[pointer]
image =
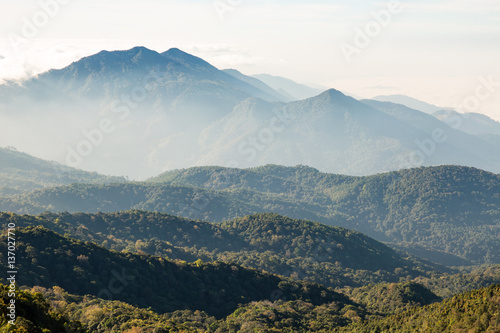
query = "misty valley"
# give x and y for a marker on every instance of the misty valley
(153, 192)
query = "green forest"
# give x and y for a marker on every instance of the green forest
(268, 249)
(230, 166)
(331, 256)
(140, 271)
(448, 214)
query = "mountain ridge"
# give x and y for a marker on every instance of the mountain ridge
(438, 202)
(21, 172)
(409, 102)
(174, 110)
(298, 249)
(130, 273)
(336, 133)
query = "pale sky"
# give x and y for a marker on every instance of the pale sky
(435, 51)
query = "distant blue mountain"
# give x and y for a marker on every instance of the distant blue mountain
(410, 102)
(339, 134)
(106, 74)
(172, 110)
(472, 123)
(293, 90)
(285, 97)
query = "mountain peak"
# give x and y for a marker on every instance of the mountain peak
(115, 60)
(141, 53)
(141, 48)
(186, 59)
(175, 50)
(124, 53)
(332, 93)
(334, 96)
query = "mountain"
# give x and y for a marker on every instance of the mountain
(418, 208)
(99, 111)
(405, 207)
(386, 299)
(476, 124)
(105, 316)
(257, 84)
(447, 285)
(90, 314)
(302, 317)
(336, 133)
(75, 285)
(461, 144)
(332, 256)
(477, 310)
(426, 211)
(420, 120)
(139, 112)
(104, 291)
(20, 172)
(409, 102)
(150, 282)
(289, 88)
(472, 123)
(171, 76)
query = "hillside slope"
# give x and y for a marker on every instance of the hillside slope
(20, 172)
(334, 257)
(138, 112)
(338, 134)
(448, 214)
(475, 311)
(424, 207)
(33, 314)
(84, 268)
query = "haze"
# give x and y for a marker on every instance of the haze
(432, 50)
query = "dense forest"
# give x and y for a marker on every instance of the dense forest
(140, 271)
(55, 310)
(148, 281)
(34, 314)
(475, 311)
(307, 211)
(128, 264)
(302, 250)
(448, 214)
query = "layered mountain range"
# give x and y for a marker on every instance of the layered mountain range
(325, 213)
(139, 112)
(75, 283)
(448, 214)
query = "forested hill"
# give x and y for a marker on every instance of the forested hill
(421, 209)
(20, 172)
(55, 310)
(475, 311)
(449, 214)
(77, 285)
(48, 259)
(332, 256)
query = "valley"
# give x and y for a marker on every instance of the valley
(147, 191)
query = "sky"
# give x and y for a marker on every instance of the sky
(441, 52)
